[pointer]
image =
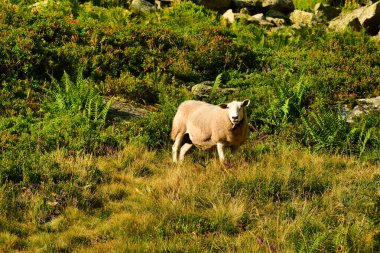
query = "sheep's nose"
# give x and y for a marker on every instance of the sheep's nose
(235, 117)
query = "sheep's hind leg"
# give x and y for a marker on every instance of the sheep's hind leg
(186, 147)
(177, 143)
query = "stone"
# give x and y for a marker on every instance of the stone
(275, 14)
(141, 6)
(365, 105)
(370, 18)
(302, 18)
(229, 16)
(203, 89)
(285, 6)
(217, 5)
(325, 12)
(346, 20)
(279, 22)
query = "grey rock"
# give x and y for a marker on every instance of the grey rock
(325, 12)
(285, 6)
(229, 16)
(217, 5)
(346, 20)
(141, 6)
(302, 18)
(279, 22)
(275, 14)
(370, 18)
(364, 106)
(203, 90)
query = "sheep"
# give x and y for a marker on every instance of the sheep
(204, 125)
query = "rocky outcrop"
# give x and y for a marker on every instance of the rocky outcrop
(284, 6)
(302, 18)
(367, 17)
(141, 6)
(363, 106)
(325, 12)
(217, 5)
(203, 90)
(370, 18)
(347, 20)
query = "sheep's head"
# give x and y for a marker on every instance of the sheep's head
(236, 110)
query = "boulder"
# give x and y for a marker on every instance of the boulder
(229, 16)
(365, 105)
(141, 6)
(217, 5)
(260, 20)
(247, 4)
(203, 90)
(275, 14)
(325, 12)
(285, 6)
(370, 18)
(279, 22)
(302, 18)
(346, 20)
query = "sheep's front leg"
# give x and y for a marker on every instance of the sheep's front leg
(219, 147)
(177, 143)
(186, 147)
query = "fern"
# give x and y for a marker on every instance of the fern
(81, 96)
(218, 81)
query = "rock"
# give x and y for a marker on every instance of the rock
(217, 5)
(260, 20)
(370, 18)
(203, 90)
(346, 20)
(325, 12)
(141, 6)
(279, 22)
(285, 6)
(275, 14)
(229, 16)
(244, 11)
(124, 110)
(302, 18)
(247, 4)
(364, 106)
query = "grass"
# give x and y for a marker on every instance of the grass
(75, 179)
(287, 199)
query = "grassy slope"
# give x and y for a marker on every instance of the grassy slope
(275, 198)
(69, 183)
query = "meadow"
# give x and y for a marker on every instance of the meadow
(76, 178)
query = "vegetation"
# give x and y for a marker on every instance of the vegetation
(75, 178)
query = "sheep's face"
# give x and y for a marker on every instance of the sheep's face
(236, 110)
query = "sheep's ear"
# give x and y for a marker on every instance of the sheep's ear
(224, 106)
(246, 102)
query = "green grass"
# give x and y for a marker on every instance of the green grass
(287, 199)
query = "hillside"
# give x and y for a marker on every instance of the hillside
(79, 173)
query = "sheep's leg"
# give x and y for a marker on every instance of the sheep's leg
(186, 147)
(177, 143)
(234, 150)
(219, 147)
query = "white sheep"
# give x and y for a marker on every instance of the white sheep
(205, 125)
